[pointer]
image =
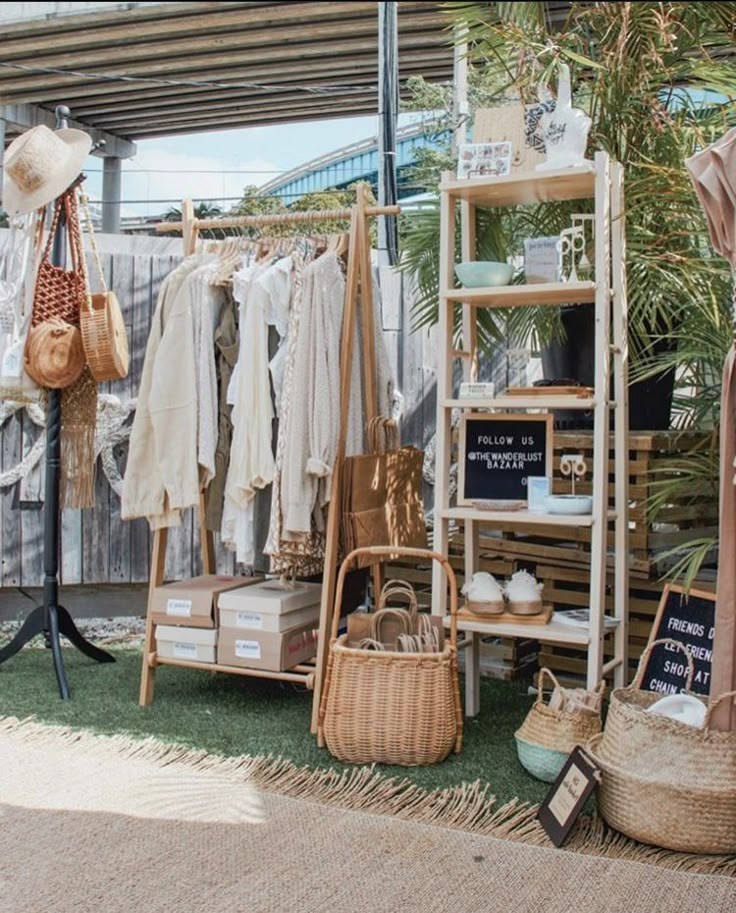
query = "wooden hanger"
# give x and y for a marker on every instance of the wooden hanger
(343, 244)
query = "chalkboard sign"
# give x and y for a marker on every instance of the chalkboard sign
(499, 452)
(567, 795)
(692, 622)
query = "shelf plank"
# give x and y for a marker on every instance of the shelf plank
(516, 516)
(553, 632)
(534, 294)
(522, 402)
(527, 187)
(290, 676)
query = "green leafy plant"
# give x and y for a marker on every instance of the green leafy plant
(659, 82)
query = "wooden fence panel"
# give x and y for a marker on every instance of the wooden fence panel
(97, 546)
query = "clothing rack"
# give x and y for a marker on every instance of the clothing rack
(358, 279)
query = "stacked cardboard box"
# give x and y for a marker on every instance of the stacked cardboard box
(185, 615)
(268, 625)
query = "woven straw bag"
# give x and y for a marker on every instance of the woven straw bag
(391, 707)
(664, 782)
(103, 328)
(546, 737)
(54, 345)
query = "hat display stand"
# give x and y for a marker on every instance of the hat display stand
(50, 618)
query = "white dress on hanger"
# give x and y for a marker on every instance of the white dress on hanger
(263, 294)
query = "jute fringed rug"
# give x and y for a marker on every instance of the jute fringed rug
(89, 823)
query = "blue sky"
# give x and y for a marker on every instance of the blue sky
(214, 166)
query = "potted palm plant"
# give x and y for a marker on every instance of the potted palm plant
(653, 77)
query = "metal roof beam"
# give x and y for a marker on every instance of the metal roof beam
(23, 117)
(300, 55)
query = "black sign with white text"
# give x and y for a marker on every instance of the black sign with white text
(499, 452)
(692, 622)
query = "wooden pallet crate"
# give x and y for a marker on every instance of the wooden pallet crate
(690, 514)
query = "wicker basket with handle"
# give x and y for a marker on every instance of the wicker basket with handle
(664, 782)
(546, 737)
(104, 335)
(391, 707)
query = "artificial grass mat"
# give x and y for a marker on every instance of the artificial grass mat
(232, 715)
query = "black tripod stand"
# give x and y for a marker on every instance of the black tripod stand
(50, 618)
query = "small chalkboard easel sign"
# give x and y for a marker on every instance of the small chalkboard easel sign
(498, 453)
(691, 620)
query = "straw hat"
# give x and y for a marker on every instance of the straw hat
(39, 166)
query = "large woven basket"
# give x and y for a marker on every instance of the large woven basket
(546, 737)
(664, 782)
(390, 707)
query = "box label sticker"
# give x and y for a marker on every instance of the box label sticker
(249, 620)
(180, 607)
(185, 651)
(248, 649)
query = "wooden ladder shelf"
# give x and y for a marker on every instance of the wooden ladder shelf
(602, 180)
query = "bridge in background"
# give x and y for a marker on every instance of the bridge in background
(356, 162)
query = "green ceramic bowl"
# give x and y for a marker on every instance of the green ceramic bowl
(483, 273)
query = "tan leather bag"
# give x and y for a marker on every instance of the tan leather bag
(382, 494)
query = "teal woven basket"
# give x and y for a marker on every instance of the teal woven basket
(546, 737)
(542, 763)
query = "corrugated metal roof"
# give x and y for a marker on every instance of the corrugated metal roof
(121, 70)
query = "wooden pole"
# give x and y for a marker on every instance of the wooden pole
(327, 605)
(161, 536)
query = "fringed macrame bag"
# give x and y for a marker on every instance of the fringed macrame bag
(54, 346)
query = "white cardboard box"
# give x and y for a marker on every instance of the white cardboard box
(195, 644)
(247, 620)
(270, 597)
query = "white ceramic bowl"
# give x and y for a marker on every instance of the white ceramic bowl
(681, 707)
(569, 504)
(483, 273)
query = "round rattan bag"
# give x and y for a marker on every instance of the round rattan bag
(104, 335)
(664, 782)
(54, 355)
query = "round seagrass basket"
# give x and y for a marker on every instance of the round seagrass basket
(391, 707)
(546, 737)
(663, 782)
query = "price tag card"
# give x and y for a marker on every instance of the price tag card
(567, 796)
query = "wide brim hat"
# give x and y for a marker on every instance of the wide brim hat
(39, 166)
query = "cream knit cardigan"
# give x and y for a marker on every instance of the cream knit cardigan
(162, 474)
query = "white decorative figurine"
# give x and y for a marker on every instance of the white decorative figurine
(564, 130)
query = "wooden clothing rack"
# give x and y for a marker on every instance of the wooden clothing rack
(358, 285)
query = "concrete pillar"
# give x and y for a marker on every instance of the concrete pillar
(460, 90)
(388, 107)
(2, 156)
(111, 189)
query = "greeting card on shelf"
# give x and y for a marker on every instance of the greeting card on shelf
(476, 160)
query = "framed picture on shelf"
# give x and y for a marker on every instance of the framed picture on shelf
(498, 453)
(542, 260)
(476, 160)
